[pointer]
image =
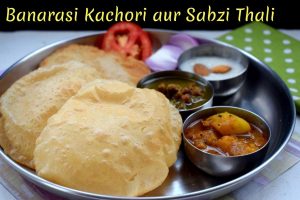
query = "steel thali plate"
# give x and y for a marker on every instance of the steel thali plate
(263, 93)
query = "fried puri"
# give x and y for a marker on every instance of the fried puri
(110, 138)
(26, 106)
(111, 65)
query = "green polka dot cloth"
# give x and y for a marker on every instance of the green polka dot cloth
(278, 50)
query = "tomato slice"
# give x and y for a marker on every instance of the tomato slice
(128, 39)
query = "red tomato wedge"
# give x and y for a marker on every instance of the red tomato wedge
(128, 39)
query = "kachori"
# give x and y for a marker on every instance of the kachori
(110, 64)
(110, 138)
(30, 101)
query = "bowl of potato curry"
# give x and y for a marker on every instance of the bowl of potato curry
(225, 140)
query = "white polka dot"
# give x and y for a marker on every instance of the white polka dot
(292, 81)
(288, 60)
(290, 70)
(248, 30)
(286, 41)
(267, 50)
(267, 41)
(296, 98)
(248, 48)
(268, 59)
(229, 37)
(247, 39)
(267, 32)
(287, 51)
(293, 90)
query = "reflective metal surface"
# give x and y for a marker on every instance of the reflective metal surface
(263, 93)
(218, 165)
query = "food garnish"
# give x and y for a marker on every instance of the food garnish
(201, 69)
(183, 41)
(221, 69)
(128, 39)
(166, 57)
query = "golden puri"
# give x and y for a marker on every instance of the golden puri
(110, 138)
(26, 106)
(111, 65)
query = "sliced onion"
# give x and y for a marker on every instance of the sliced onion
(183, 41)
(165, 58)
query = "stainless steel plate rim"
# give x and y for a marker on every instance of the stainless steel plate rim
(229, 185)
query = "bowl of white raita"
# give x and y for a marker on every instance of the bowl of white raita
(224, 67)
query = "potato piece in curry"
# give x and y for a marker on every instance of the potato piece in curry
(228, 124)
(226, 134)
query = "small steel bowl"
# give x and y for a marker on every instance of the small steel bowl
(224, 85)
(158, 76)
(219, 165)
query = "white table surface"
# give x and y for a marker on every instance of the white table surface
(15, 45)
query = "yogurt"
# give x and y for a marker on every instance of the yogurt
(212, 61)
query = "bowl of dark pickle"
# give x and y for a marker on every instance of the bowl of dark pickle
(188, 92)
